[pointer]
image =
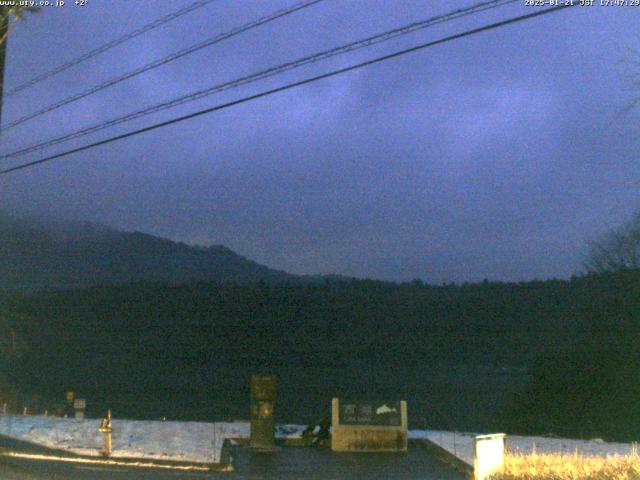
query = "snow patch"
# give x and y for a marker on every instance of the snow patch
(461, 444)
(198, 442)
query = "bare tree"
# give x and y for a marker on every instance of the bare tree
(17, 12)
(616, 250)
(633, 75)
(619, 249)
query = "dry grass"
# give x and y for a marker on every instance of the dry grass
(569, 467)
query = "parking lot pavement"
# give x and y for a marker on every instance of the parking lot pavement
(287, 463)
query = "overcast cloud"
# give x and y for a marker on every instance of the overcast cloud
(496, 156)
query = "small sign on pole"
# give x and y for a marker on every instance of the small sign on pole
(79, 405)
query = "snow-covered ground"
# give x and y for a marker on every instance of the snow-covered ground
(182, 441)
(201, 442)
(461, 444)
(198, 442)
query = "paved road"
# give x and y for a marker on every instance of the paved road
(288, 463)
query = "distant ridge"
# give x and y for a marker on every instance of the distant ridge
(36, 254)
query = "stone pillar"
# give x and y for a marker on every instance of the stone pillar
(263, 399)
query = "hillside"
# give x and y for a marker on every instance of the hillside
(456, 353)
(37, 253)
(535, 357)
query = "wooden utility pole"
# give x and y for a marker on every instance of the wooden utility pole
(4, 37)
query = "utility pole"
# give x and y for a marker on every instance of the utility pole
(4, 37)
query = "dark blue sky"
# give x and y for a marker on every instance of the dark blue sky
(497, 156)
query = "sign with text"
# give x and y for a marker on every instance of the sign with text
(370, 413)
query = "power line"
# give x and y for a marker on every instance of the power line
(289, 86)
(108, 46)
(170, 58)
(352, 46)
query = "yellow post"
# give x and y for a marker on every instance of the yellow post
(105, 427)
(107, 447)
